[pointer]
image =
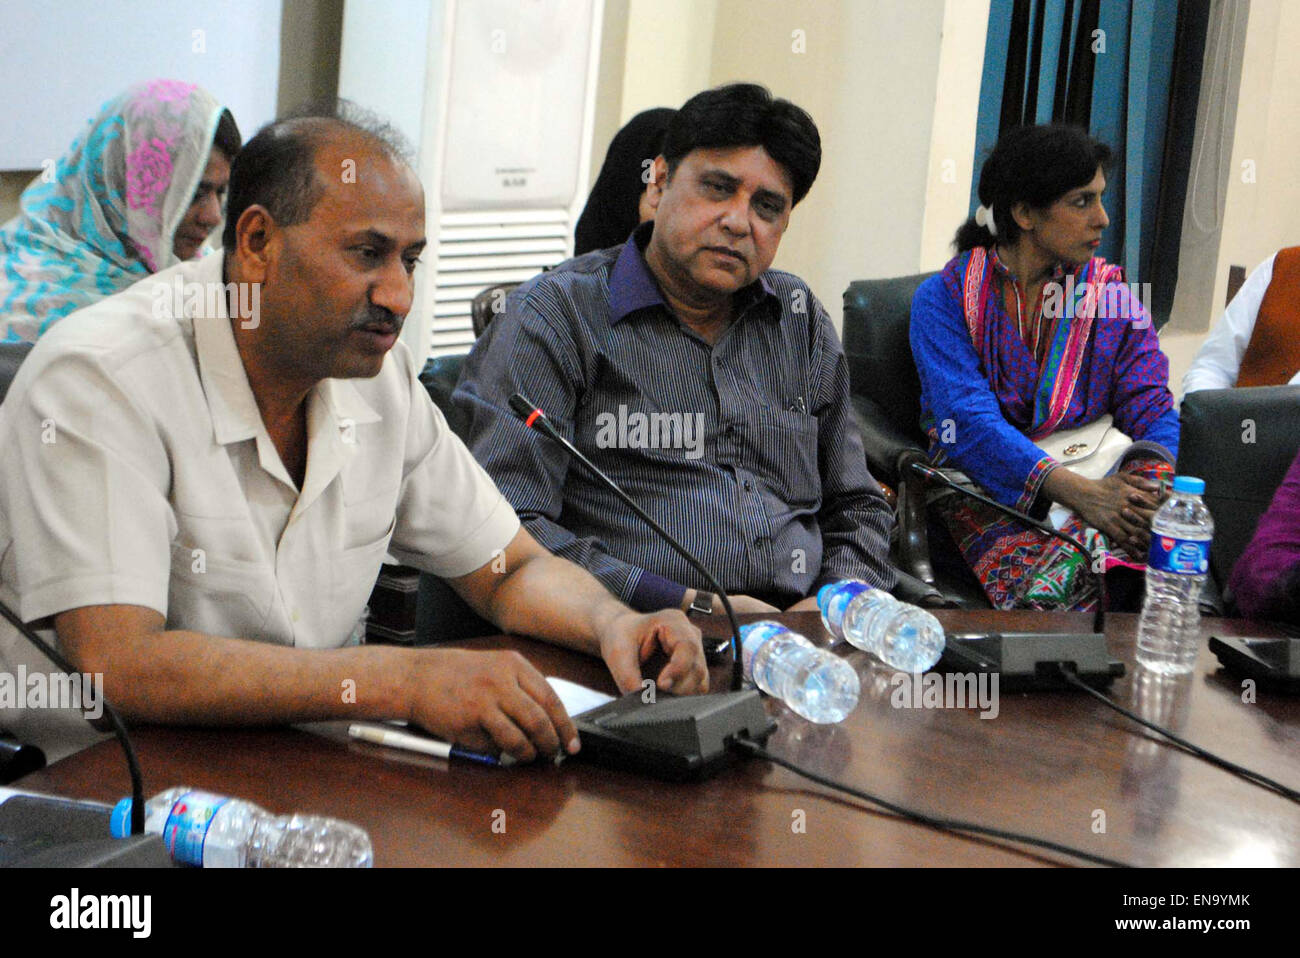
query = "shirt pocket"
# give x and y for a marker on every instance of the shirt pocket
(353, 573)
(785, 457)
(218, 595)
(368, 520)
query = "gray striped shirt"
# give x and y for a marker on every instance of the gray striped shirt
(746, 450)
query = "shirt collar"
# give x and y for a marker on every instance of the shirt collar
(235, 416)
(632, 286)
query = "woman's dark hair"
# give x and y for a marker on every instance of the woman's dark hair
(746, 114)
(227, 138)
(1035, 165)
(613, 208)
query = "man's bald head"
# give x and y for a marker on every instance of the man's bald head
(277, 168)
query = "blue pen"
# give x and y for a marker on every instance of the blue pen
(394, 738)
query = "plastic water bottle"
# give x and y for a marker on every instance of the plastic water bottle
(815, 683)
(1169, 629)
(212, 831)
(902, 636)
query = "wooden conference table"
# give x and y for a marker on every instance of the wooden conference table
(1058, 766)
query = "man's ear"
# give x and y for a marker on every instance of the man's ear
(255, 236)
(654, 190)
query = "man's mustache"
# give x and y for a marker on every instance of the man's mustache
(377, 317)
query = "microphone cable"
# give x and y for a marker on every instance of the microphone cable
(1255, 778)
(119, 728)
(955, 826)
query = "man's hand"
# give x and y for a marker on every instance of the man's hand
(631, 638)
(485, 700)
(808, 604)
(551, 598)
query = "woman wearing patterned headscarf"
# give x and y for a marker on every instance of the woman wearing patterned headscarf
(140, 190)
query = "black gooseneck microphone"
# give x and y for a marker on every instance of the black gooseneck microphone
(1029, 661)
(119, 729)
(534, 418)
(1075, 682)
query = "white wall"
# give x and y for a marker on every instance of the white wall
(851, 64)
(892, 85)
(70, 57)
(1262, 209)
(952, 140)
(667, 54)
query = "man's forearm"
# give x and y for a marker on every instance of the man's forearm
(650, 592)
(182, 677)
(554, 599)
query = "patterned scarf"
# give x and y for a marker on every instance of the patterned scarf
(1059, 373)
(109, 213)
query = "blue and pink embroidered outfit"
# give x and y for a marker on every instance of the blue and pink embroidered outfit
(997, 374)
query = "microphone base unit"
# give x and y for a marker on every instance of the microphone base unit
(41, 831)
(1032, 661)
(1272, 661)
(676, 738)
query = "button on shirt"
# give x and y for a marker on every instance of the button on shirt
(744, 450)
(138, 471)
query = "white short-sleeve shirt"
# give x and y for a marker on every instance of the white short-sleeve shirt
(1218, 362)
(137, 470)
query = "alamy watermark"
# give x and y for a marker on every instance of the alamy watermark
(1116, 301)
(955, 690)
(656, 430)
(183, 298)
(53, 690)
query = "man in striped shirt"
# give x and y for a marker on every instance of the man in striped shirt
(713, 389)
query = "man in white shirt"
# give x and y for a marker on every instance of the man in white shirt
(1220, 360)
(203, 474)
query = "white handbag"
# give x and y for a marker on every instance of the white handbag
(1090, 450)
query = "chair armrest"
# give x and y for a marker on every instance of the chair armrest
(883, 440)
(1212, 601)
(912, 590)
(913, 535)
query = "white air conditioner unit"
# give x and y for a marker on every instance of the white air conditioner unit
(498, 98)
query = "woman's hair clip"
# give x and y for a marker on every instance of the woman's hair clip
(984, 218)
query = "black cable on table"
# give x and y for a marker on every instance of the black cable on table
(750, 747)
(1255, 778)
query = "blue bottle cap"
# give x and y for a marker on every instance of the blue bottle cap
(119, 822)
(1189, 484)
(824, 594)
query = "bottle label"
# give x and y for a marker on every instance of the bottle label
(1179, 556)
(752, 638)
(838, 599)
(188, 823)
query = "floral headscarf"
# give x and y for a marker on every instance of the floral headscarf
(110, 213)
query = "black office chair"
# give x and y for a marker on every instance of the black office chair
(11, 357)
(1241, 442)
(886, 396)
(488, 304)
